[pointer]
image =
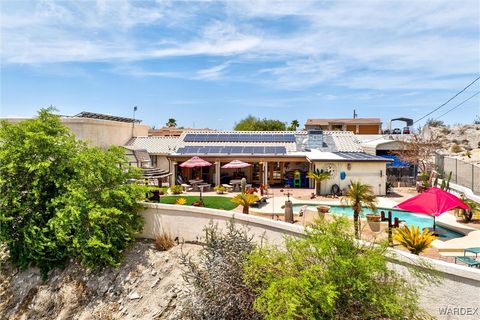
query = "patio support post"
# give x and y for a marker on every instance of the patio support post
(217, 173)
(173, 170)
(265, 173)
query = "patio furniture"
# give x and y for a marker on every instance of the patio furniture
(259, 203)
(468, 261)
(228, 187)
(203, 186)
(475, 250)
(236, 184)
(186, 187)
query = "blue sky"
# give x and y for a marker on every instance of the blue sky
(211, 63)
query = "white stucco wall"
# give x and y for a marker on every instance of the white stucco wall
(459, 287)
(371, 173)
(104, 133)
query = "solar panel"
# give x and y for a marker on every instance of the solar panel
(280, 150)
(247, 150)
(253, 137)
(237, 150)
(259, 150)
(269, 150)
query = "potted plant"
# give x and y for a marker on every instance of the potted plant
(220, 189)
(373, 220)
(322, 209)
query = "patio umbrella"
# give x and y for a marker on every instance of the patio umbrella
(236, 164)
(433, 202)
(195, 162)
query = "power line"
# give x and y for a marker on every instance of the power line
(458, 105)
(443, 104)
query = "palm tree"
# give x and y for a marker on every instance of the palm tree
(415, 241)
(358, 196)
(293, 125)
(245, 200)
(171, 123)
(319, 176)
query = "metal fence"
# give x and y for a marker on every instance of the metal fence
(463, 173)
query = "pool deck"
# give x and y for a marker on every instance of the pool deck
(452, 247)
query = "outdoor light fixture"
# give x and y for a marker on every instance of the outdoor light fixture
(349, 166)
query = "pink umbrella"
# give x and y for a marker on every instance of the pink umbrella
(236, 164)
(195, 162)
(433, 202)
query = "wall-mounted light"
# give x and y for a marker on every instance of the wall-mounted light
(381, 173)
(349, 166)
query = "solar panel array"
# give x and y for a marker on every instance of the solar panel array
(221, 137)
(359, 156)
(231, 150)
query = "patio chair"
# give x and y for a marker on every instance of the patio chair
(468, 261)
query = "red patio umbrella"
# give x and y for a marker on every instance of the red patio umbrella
(195, 162)
(236, 164)
(433, 202)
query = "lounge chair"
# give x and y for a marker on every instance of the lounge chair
(468, 261)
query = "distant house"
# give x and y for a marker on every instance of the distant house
(172, 131)
(280, 158)
(355, 125)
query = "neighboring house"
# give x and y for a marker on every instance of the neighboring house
(172, 131)
(277, 158)
(101, 130)
(355, 125)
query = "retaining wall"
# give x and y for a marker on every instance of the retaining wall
(458, 293)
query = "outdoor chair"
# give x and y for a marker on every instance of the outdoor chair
(468, 261)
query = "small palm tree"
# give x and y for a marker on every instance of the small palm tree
(171, 123)
(319, 176)
(245, 200)
(358, 196)
(413, 240)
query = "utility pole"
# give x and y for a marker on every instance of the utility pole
(133, 124)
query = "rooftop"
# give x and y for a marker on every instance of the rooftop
(100, 116)
(326, 121)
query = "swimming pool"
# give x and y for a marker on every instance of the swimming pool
(410, 218)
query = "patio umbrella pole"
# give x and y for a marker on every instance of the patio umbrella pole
(434, 224)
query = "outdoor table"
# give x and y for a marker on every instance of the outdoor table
(195, 183)
(475, 250)
(203, 186)
(236, 184)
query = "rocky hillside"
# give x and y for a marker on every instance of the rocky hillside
(148, 285)
(462, 141)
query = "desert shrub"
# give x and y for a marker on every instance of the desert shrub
(62, 199)
(463, 130)
(435, 123)
(455, 141)
(455, 148)
(465, 141)
(164, 241)
(329, 275)
(176, 189)
(217, 276)
(445, 130)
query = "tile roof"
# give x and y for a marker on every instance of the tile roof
(342, 141)
(155, 145)
(327, 121)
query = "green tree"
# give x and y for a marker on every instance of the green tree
(171, 123)
(358, 196)
(252, 123)
(329, 275)
(293, 125)
(62, 199)
(319, 176)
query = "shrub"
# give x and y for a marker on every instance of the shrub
(61, 199)
(445, 131)
(435, 123)
(455, 148)
(329, 275)
(181, 201)
(216, 276)
(176, 189)
(220, 189)
(413, 240)
(164, 241)
(245, 200)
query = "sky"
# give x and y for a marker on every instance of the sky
(211, 63)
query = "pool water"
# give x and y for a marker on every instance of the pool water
(410, 218)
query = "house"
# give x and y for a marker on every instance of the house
(172, 131)
(355, 125)
(278, 158)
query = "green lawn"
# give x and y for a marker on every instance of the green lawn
(214, 202)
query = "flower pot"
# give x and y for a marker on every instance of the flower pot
(322, 210)
(373, 221)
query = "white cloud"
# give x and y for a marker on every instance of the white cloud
(291, 44)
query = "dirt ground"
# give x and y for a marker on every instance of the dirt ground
(148, 285)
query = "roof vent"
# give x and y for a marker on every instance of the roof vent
(315, 139)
